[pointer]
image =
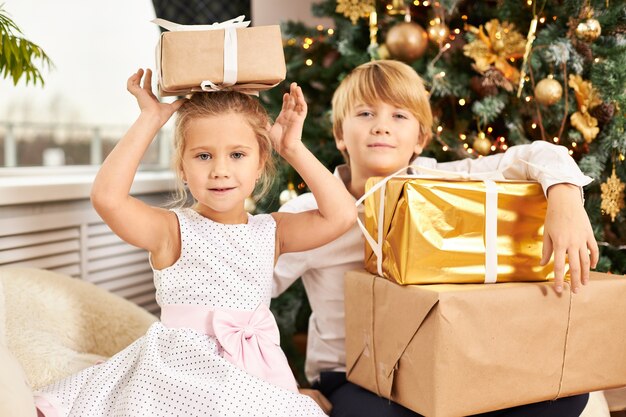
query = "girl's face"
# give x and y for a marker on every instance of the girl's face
(221, 164)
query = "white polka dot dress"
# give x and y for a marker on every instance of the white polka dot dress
(179, 372)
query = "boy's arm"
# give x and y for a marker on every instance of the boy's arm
(539, 161)
(289, 267)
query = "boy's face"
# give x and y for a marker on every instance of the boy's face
(379, 138)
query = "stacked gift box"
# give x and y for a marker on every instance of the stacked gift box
(476, 325)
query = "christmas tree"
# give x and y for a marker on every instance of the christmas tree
(500, 73)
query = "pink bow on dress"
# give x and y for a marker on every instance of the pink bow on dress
(251, 341)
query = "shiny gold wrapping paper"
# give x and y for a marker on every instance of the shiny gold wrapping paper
(434, 231)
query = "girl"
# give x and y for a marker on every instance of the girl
(215, 351)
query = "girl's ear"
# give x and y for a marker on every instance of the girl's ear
(262, 161)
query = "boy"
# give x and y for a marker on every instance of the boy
(382, 122)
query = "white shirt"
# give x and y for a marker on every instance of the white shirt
(322, 269)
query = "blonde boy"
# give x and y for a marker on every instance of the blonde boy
(382, 122)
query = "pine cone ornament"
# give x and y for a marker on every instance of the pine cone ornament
(494, 77)
(478, 85)
(603, 112)
(584, 49)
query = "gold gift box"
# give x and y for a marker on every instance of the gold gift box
(187, 58)
(451, 350)
(433, 231)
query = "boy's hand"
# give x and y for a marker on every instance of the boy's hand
(319, 398)
(287, 129)
(568, 232)
(148, 102)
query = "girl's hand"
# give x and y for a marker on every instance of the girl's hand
(568, 232)
(148, 103)
(286, 133)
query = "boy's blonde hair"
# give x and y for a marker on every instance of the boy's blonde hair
(392, 82)
(218, 103)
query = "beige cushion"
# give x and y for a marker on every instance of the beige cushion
(57, 325)
(15, 395)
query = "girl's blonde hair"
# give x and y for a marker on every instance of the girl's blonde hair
(392, 82)
(219, 103)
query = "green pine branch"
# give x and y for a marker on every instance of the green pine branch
(18, 55)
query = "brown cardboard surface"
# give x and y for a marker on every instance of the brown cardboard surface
(458, 349)
(187, 58)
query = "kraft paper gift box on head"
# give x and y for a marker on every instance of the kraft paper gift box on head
(446, 230)
(449, 350)
(222, 56)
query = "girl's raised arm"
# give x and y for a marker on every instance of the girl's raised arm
(336, 210)
(134, 221)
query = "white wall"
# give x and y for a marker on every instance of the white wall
(95, 46)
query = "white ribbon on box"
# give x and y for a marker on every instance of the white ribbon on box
(230, 47)
(491, 209)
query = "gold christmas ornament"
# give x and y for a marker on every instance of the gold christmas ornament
(355, 9)
(438, 33)
(495, 45)
(612, 195)
(481, 144)
(587, 98)
(288, 194)
(249, 205)
(383, 52)
(588, 30)
(406, 41)
(548, 91)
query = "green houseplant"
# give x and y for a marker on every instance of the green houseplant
(19, 56)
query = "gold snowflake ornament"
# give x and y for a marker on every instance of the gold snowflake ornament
(612, 195)
(355, 9)
(496, 44)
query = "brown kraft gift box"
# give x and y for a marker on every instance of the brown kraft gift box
(449, 350)
(187, 58)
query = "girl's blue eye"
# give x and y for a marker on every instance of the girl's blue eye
(204, 156)
(237, 155)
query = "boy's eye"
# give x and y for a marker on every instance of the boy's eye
(401, 116)
(365, 113)
(237, 155)
(204, 156)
